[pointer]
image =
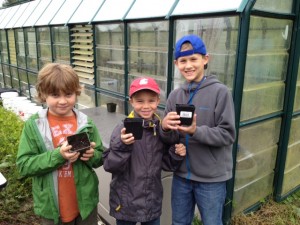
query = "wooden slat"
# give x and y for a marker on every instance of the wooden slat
(81, 34)
(81, 29)
(81, 52)
(86, 81)
(84, 58)
(85, 75)
(83, 46)
(77, 40)
(84, 64)
(83, 69)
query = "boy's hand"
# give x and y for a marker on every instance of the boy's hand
(190, 129)
(65, 152)
(88, 153)
(171, 121)
(127, 139)
(180, 149)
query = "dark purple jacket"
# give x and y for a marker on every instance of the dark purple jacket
(136, 190)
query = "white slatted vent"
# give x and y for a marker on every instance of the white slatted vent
(82, 53)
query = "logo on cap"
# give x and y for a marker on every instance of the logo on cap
(143, 81)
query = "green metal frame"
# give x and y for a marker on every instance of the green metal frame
(237, 96)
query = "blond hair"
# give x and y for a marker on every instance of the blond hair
(55, 78)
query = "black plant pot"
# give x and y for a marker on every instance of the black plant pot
(111, 107)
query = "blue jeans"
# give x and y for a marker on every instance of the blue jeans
(209, 197)
(152, 222)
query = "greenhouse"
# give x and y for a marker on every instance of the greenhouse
(254, 48)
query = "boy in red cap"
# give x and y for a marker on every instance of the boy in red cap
(136, 189)
(201, 178)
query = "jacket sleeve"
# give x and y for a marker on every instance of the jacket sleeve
(97, 160)
(116, 157)
(223, 132)
(33, 159)
(171, 161)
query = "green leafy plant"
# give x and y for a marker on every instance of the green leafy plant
(15, 199)
(196, 220)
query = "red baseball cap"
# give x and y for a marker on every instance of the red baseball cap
(143, 83)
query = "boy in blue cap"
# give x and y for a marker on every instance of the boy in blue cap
(201, 178)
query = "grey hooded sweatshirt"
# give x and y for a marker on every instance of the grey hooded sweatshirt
(209, 149)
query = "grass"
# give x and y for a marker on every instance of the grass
(286, 212)
(16, 200)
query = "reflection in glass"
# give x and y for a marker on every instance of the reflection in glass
(86, 98)
(220, 37)
(278, 6)
(292, 166)
(103, 99)
(110, 57)
(255, 163)
(297, 94)
(266, 66)
(148, 48)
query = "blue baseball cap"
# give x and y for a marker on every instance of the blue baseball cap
(195, 41)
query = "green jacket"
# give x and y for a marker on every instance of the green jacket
(37, 158)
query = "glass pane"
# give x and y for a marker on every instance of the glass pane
(7, 77)
(297, 95)
(110, 57)
(12, 47)
(150, 9)
(23, 76)
(31, 47)
(15, 78)
(44, 46)
(31, 6)
(104, 99)
(8, 80)
(3, 47)
(3, 14)
(255, 163)
(266, 66)
(274, 5)
(24, 89)
(220, 37)
(189, 7)
(49, 12)
(61, 45)
(35, 15)
(86, 11)
(16, 16)
(32, 80)
(20, 45)
(105, 13)
(9, 16)
(292, 166)
(148, 52)
(86, 98)
(65, 12)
